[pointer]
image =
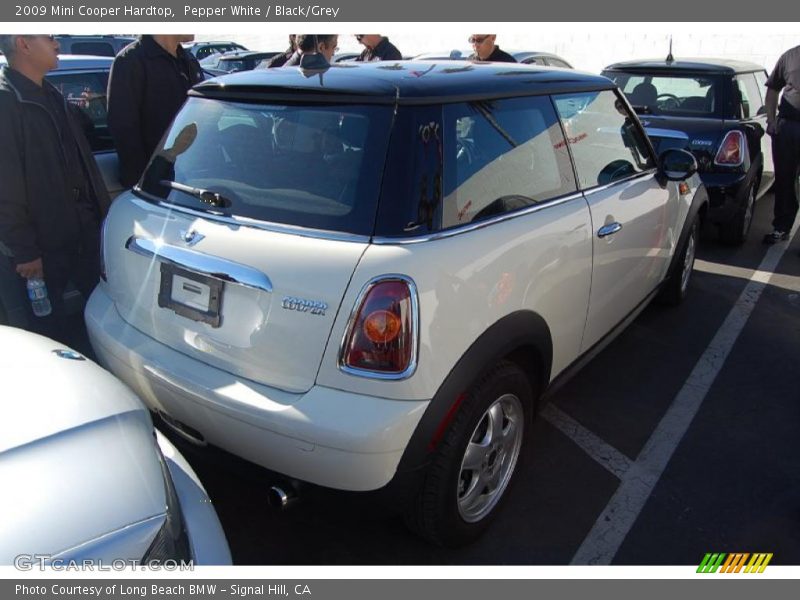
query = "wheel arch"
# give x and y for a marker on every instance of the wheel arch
(522, 337)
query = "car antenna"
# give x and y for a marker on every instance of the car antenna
(670, 58)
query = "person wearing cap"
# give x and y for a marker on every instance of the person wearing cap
(52, 195)
(146, 87)
(377, 47)
(783, 124)
(485, 49)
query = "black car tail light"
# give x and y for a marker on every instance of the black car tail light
(731, 150)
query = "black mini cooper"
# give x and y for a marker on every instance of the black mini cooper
(715, 109)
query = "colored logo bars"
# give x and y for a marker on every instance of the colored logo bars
(734, 562)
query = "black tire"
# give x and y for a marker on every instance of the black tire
(443, 512)
(735, 231)
(677, 286)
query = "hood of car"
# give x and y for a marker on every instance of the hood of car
(48, 389)
(78, 457)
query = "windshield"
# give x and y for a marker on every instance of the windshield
(673, 94)
(308, 166)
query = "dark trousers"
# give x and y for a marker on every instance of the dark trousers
(13, 296)
(81, 267)
(786, 155)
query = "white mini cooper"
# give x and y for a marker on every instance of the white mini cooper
(366, 276)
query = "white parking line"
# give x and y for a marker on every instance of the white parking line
(605, 454)
(615, 522)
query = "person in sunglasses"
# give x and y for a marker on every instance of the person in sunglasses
(377, 47)
(485, 49)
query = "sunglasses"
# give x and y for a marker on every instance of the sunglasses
(359, 37)
(476, 39)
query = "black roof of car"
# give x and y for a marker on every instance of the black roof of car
(407, 82)
(709, 65)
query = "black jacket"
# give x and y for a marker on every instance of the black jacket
(38, 212)
(146, 88)
(280, 60)
(496, 56)
(385, 50)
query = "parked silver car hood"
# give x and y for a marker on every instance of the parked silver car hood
(77, 453)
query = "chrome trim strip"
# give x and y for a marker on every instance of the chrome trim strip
(412, 367)
(667, 133)
(322, 234)
(388, 241)
(600, 188)
(205, 264)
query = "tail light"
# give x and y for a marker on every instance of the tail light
(731, 151)
(381, 337)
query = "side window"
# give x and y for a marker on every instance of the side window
(205, 51)
(606, 142)
(554, 62)
(535, 60)
(501, 156)
(749, 95)
(87, 92)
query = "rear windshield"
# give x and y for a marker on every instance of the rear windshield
(302, 165)
(671, 94)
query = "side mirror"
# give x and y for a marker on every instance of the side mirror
(675, 164)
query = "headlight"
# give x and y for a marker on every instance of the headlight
(171, 541)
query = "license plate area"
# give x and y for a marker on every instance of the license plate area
(191, 295)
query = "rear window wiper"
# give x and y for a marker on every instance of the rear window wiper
(215, 199)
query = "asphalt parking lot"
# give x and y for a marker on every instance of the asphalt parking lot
(680, 438)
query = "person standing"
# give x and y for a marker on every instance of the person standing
(314, 51)
(377, 47)
(485, 49)
(146, 88)
(280, 59)
(783, 124)
(52, 195)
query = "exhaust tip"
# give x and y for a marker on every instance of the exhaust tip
(281, 498)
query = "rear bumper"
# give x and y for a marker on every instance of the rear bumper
(726, 194)
(325, 436)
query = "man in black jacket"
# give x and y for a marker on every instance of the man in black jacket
(279, 60)
(52, 196)
(146, 88)
(485, 49)
(377, 47)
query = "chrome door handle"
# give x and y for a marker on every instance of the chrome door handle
(609, 229)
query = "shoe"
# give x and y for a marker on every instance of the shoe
(776, 236)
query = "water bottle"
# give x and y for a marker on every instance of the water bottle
(37, 293)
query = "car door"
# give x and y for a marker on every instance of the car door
(630, 210)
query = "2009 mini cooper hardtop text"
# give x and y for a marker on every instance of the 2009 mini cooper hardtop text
(472, 231)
